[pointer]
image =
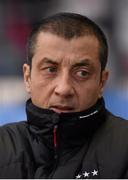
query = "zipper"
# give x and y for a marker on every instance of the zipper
(55, 141)
(55, 150)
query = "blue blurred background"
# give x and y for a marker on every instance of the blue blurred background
(16, 20)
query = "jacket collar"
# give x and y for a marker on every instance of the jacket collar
(73, 128)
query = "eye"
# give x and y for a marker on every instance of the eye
(51, 69)
(82, 73)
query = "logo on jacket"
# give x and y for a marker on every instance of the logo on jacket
(87, 175)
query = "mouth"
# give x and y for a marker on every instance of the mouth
(62, 109)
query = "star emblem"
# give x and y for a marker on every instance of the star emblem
(78, 176)
(94, 173)
(86, 174)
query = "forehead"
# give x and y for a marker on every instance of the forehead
(57, 48)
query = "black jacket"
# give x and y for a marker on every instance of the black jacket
(88, 144)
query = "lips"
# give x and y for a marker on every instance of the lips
(62, 109)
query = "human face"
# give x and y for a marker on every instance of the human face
(66, 74)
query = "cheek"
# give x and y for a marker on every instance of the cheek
(38, 83)
(40, 92)
(88, 94)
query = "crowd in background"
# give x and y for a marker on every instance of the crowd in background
(16, 20)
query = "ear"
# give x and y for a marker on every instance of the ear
(104, 78)
(27, 77)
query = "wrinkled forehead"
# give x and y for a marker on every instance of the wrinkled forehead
(77, 45)
(52, 48)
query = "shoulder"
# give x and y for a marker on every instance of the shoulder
(13, 142)
(114, 133)
(14, 134)
(111, 143)
(13, 129)
(115, 123)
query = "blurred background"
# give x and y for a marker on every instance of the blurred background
(16, 20)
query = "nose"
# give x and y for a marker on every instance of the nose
(64, 87)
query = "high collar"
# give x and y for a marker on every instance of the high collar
(73, 128)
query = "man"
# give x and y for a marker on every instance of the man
(68, 133)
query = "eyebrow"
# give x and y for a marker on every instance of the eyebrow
(46, 60)
(84, 62)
